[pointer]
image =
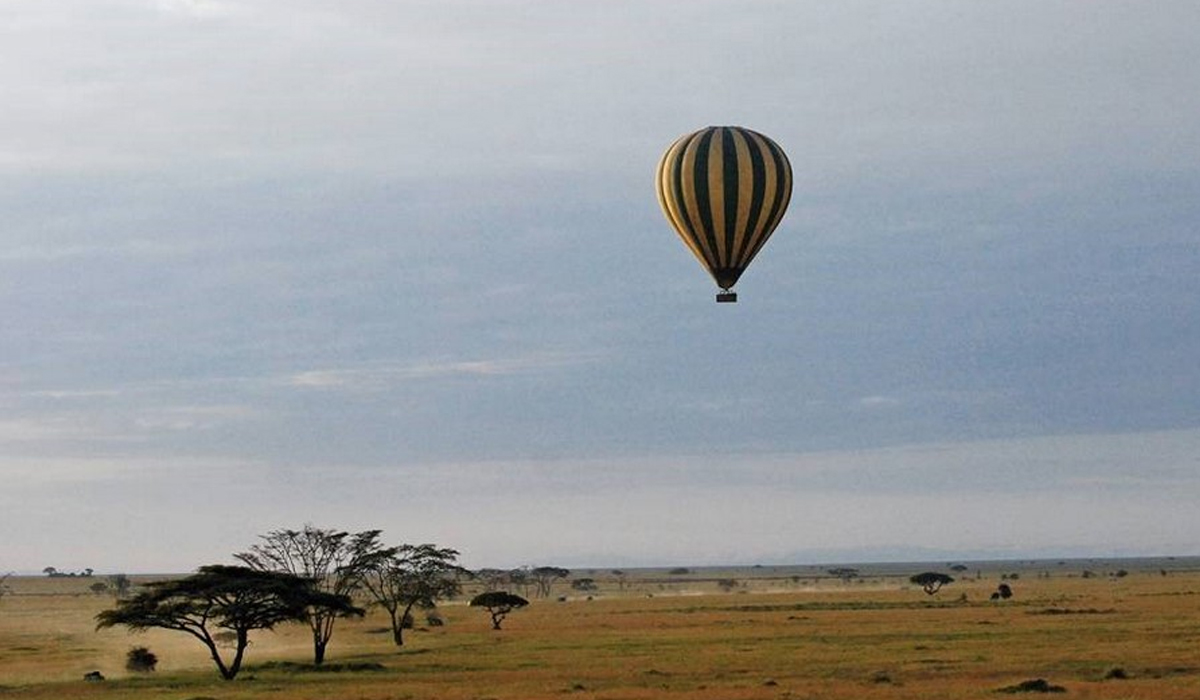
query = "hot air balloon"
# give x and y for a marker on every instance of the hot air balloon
(724, 189)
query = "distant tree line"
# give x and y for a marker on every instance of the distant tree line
(55, 573)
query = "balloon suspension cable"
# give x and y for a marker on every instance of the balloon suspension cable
(726, 297)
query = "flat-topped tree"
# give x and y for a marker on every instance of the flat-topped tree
(219, 598)
(499, 604)
(931, 581)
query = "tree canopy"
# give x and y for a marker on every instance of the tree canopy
(334, 560)
(219, 598)
(413, 576)
(545, 576)
(499, 604)
(931, 581)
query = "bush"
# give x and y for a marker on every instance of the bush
(140, 660)
(1037, 685)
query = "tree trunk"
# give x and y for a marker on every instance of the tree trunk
(216, 657)
(397, 627)
(236, 665)
(230, 671)
(397, 624)
(322, 630)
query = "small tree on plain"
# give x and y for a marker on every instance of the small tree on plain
(119, 584)
(846, 574)
(414, 576)
(499, 604)
(931, 581)
(141, 660)
(545, 576)
(520, 578)
(492, 579)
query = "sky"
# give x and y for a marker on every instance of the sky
(389, 265)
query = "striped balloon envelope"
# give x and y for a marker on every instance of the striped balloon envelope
(724, 189)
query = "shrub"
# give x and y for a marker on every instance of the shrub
(1038, 685)
(140, 660)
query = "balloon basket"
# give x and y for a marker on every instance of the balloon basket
(726, 297)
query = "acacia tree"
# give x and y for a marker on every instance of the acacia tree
(931, 581)
(499, 604)
(334, 560)
(845, 573)
(414, 576)
(492, 579)
(545, 576)
(120, 585)
(4, 584)
(219, 598)
(519, 578)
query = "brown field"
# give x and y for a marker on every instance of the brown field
(784, 634)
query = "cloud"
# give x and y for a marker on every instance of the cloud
(37, 476)
(877, 402)
(33, 430)
(380, 378)
(203, 9)
(189, 418)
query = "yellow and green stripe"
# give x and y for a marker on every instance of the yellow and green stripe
(724, 189)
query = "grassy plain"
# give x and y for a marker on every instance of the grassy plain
(782, 634)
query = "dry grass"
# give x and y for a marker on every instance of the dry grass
(880, 639)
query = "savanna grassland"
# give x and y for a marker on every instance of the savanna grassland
(781, 633)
